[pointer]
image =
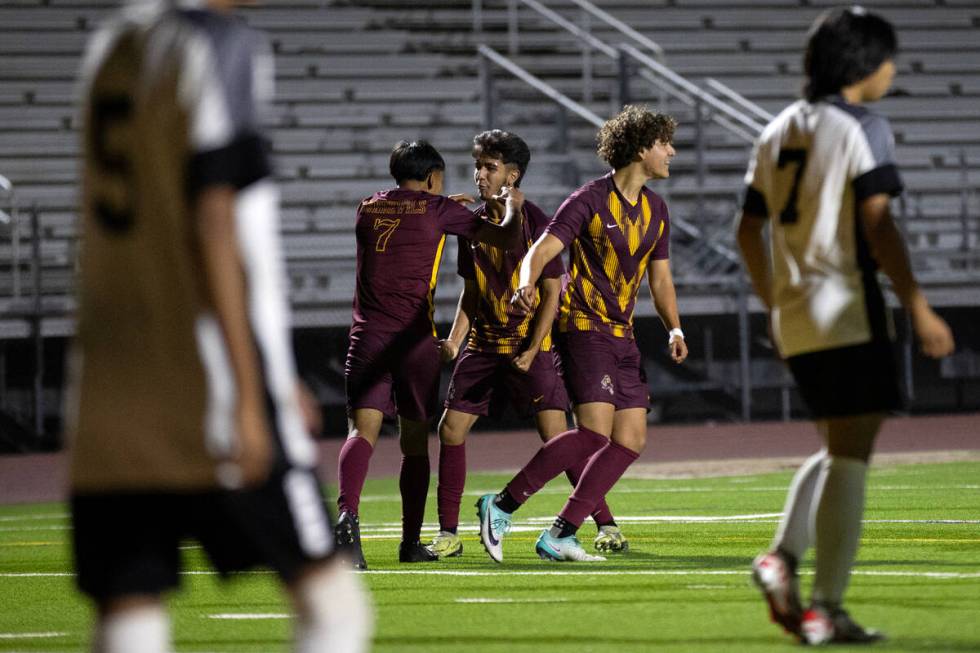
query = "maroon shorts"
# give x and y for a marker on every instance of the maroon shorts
(396, 373)
(483, 382)
(603, 368)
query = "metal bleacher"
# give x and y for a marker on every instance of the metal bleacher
(355, 76)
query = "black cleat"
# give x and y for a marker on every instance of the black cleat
(415, 552)
(348, 534)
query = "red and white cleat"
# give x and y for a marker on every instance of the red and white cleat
(775, 575)
(821, 626)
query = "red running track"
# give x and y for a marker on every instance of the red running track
(42, 477)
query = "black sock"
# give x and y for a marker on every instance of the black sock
(606, 523)
(562, 528)
(506, 502)
(450, 530)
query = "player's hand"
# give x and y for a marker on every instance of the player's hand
(935, 336)
(254, 454)
(462, 198)
(512, 197)
(524, 299)
(678, 349)
(523, 361)
(448, 350)
(310, 408)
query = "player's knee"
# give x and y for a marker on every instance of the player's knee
(334, 612)
(451, 433)
(633, 440)
(137, 626)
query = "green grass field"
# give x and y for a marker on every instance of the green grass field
(683, 586)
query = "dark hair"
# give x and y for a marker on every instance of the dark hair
(414, 161)
(509, 148)
(845, 46)
(635, 128)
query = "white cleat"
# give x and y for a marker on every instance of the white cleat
(563, 549)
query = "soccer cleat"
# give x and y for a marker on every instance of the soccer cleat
(494, 524)
(415, 552)
(347, 532)
(446, 545)
(562, 549)
(610, 538)
(821, 626)
(775, 575)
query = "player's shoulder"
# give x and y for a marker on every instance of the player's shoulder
(223, 30)
(863, 124)
(654, 199)
(534, 213)
(774, 130)
(592, 193)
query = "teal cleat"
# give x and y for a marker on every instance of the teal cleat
(494, 524)
(564, 549)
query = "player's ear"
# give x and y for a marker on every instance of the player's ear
(428, 181)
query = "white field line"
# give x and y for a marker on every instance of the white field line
(580, 570)
(688, 489)
(385, 530)
(250, 616)
(50, 515)
(31, 635)
(508, 600)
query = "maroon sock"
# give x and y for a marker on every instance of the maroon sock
(601, 514)
(600, 475)
(352, 469)
(452, 479)
(557, 455)
(413, 482)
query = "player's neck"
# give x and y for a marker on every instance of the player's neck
(630, 181)
(415, 185)
(853, 94)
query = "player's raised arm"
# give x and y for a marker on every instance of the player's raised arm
(888, 249)
(506, 234)
(664, 297)
(544, 249)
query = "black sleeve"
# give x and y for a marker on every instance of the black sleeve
(754, 202)
(883, 179)
(239, 164)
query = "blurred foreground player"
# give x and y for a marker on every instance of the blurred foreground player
(821, 178)
(393, 364)
(618, 231)
(186, 416)
(508, 355)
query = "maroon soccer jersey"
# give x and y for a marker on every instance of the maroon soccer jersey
(612, 241)
(400, 238)
(497, 327)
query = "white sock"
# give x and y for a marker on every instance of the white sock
(838, 525)
(145, 629)
(795, 534)
(338, 616)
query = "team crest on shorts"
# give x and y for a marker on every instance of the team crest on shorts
(607, 384)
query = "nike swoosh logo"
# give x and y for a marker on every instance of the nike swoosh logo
(537, 399)
(494, 541)
(612, 226)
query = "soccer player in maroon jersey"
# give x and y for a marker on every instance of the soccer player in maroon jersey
(507, 354)
(617, 230)
(393, 361)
